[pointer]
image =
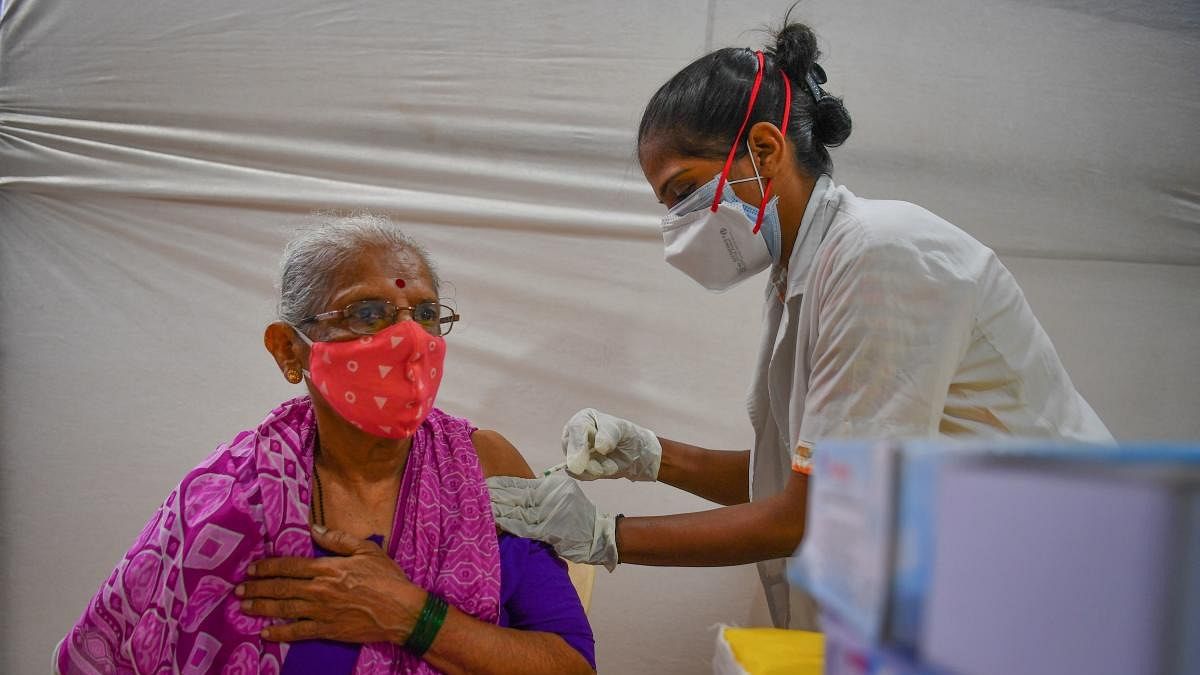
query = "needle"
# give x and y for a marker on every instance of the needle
(555, 469)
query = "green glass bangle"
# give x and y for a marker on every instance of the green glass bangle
(434, 619)
(418, 640)
(417, 643)
(429, 622)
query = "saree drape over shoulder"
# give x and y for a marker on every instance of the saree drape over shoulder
(169, 604)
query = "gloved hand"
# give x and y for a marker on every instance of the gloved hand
(555, 510)
(599, 445)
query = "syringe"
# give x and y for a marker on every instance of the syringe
(554, 469)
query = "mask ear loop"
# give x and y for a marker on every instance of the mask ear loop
(308, 341)
(300, 334)
(787, 110)
(746, 120)
(762, 190)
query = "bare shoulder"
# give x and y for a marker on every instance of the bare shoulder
(498, 457)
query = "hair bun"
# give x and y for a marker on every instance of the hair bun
(831, 122)
(796, 53)
(795, 50)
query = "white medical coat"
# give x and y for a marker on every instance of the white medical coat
(889, 322)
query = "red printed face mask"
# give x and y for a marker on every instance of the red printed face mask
(385, 383)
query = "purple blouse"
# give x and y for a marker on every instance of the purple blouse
(535, 595)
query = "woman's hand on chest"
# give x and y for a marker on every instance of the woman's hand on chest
(361, 595)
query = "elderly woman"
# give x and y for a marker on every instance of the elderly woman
(354, 520)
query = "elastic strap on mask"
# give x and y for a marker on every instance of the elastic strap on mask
(746, 120)
(300, 334)
(308, 342)
(787, 110)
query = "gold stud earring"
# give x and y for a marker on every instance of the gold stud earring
(292, 376)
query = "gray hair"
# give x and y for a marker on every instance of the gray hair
(315, 254)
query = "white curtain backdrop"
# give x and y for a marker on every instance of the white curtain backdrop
(153, 157)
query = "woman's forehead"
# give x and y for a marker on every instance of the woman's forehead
(378, 270)
(373, 263)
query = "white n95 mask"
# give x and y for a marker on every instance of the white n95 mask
(717, 242)
(718, 249)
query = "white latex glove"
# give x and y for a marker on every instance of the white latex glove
(555, 510)
(599, 445)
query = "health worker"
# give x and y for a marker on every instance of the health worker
(881, 320)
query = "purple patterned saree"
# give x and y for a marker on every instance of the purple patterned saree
(169, 604)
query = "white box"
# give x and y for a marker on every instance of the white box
(867, 555)
(1047, 567)
(845, 561)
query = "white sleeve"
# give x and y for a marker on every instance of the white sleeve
(892, 324)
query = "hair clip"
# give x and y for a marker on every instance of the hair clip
(399, 282)
(814, 79)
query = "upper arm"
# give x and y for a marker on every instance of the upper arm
(893, 322)
(498, 457)
(543, 598)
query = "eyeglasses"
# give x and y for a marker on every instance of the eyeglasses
(367, 317)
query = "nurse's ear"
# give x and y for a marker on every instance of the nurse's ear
(769, 148)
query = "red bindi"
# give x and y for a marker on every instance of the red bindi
(400, 283)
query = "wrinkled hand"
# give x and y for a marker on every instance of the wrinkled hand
(555, 510)
(361, 597)
(598, 445)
